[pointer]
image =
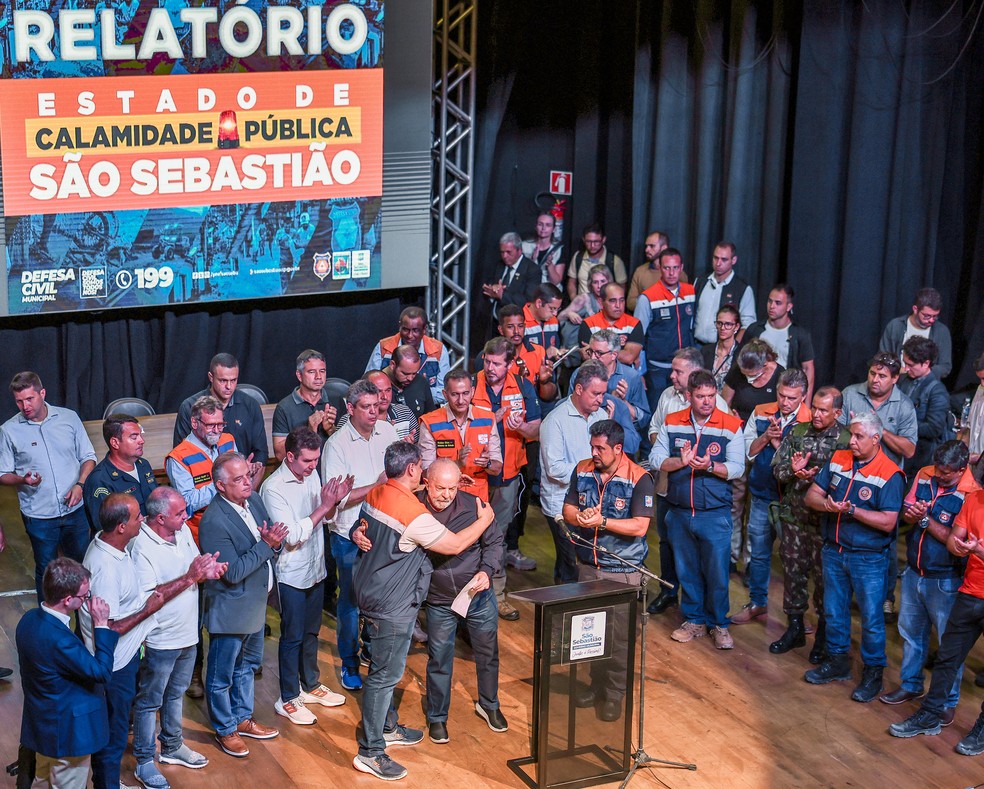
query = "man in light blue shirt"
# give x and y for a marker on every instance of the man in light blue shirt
(625, 388)
(564, 441)
(47, 454)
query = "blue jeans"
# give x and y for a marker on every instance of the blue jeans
(657, 379)
(483, 627)
(858, 574)
(926, 603)
(232, 659)
(761, 536)
(390, 644)
(300, 621)
(120, 691)
(69, 532)
(702, 551)
(347, 612)
(164, 677)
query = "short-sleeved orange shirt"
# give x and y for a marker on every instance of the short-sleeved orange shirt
(971, 518)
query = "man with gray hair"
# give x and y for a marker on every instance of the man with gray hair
(309, 402)
(392, 578)
(860, 492)
(237, 527)
(625, 387)
(162, 550)
(518, 278)
(564, 442)
(355, 450)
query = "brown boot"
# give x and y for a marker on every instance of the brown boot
(196, 689)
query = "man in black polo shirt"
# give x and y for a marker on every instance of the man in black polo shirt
(309, 402)
(244, 420)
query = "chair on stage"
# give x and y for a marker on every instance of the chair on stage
(253, 391)
(131, 406)
(337, 387)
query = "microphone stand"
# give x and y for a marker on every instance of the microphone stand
(639, 757)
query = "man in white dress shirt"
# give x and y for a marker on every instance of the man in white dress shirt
(294, 496)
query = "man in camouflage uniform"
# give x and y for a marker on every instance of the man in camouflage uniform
(804, 451)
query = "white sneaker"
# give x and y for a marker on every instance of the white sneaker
(323, 696)
(295, 711)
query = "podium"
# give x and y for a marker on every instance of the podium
(579, 629)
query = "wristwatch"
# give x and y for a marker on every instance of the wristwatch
(851, 511)
(604, 523)
(924, 522)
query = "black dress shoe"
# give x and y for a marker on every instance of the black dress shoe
(899, 696)
(438, 732)
(5, 672)
(663, 601)
(610, 711)
(585, 697)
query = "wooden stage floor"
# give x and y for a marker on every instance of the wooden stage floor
(745, 717)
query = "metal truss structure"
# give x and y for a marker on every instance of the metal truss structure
(447, 303)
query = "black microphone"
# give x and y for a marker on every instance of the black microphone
(564, 528)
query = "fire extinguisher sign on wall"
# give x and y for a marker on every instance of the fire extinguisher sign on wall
(561, 182)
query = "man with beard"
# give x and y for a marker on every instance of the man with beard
(701, 450)
(513, 401)
(608, 504)
(613, 316)
(189, 464)
(647, 274)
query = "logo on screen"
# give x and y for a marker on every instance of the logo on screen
(322, 265)
(92, 282)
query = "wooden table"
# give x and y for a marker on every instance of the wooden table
(159, 436)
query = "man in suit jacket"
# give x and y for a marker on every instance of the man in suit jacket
(518, 280)
(236, 525)
(64, 717)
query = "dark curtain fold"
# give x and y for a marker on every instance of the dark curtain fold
(709, 133)
(837, 144)
(87, 361)
(885, 159)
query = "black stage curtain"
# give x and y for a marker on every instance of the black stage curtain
(88, 360)
(837, 144)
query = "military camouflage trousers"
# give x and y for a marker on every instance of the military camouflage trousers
(799, 552)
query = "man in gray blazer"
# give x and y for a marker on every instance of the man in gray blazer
(236, 525)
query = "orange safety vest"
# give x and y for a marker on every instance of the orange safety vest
(199, 465)
(622, 327)
(432, 348)
(513, 443)
(533, 358)
(449, 443)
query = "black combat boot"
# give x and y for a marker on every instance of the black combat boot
(795, 636)
(836, 668)
(819, 652)
(871, 684)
